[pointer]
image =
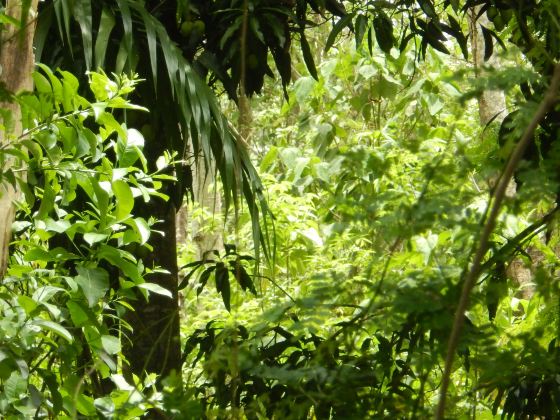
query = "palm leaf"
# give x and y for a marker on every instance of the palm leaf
(186, 103)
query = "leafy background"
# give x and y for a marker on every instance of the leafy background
(335, 291)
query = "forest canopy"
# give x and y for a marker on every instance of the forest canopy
(279, 209)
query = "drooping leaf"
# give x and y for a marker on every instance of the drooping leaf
(308, 56)
(459, 36)
(55, 328)
(428, 8)
(488, 43)
(185, 281)
(106, 25)
(203, 279)
(151, 37)
(62, 11)
(116, 258)
(337, 28)
(222, 284)
(360, 28)
(156, 288)
(125, 199)
(242, 277)
(84, 16)
(383, 31)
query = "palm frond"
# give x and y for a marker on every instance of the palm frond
(184, 100)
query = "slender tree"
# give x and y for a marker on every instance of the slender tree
(16, 66)
(137, 36)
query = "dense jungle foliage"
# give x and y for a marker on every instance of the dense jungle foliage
(383, 250)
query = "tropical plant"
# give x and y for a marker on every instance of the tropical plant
(388, 289)
(74, 263)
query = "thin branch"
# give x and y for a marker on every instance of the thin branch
(548, 101)
(514, 243)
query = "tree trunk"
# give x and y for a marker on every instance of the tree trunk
(155, 338)
(16, 66)
(155, 345)
(492, 103)
(492, 107)
(206, 229)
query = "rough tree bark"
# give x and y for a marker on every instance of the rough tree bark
(155, 338)
(201, 229)
(492, 108)
(16, 66)
(492, 103)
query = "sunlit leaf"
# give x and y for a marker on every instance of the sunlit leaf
(94, 283)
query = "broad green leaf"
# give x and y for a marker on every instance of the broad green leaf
(78, 313)
(70, 86)
(367, 71)
(85, 406)
(113, 256)
(28, 304)
(303, 88)
(38, 254)
(61, 254)
(129, 148)
(47, 201)
(54, 328)
(41, 83)
(55, 82)
(94, 283)
(15, 387)
(433, 103)
(45, 293)
(58, 226)
(93, 336)
(125, 200)
(101, 199)
(110, 344)
(102, 87)
(360, 25)
(142, 229)
(93, 237)
(156, 288)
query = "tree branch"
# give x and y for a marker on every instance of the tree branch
(548, 101)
